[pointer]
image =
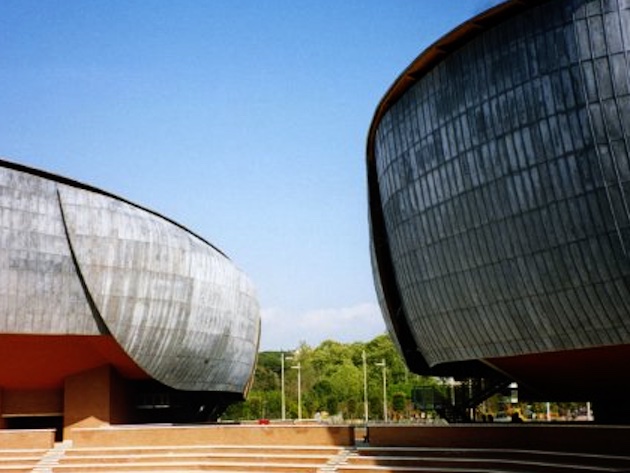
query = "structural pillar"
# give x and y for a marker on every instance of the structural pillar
(3, 423)
(94, 398)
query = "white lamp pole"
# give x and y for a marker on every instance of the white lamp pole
(284, 405)
(365, 396)
(298, 367)
(382, 363)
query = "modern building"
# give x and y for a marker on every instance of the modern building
(499, 201)
(111, 313)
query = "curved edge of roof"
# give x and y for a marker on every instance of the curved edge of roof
(441, 49)
(79, 185)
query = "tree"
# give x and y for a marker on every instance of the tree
(331, 380)
(399, 403)
(346, 381)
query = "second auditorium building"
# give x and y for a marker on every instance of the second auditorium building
(499, 199)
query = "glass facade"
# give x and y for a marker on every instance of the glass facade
(504, 180)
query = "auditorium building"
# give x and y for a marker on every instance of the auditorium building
(498, 169)
(111, 313)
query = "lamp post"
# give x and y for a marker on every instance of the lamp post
(298, 367)
(284, 404)
(365, 396)
(384, 365)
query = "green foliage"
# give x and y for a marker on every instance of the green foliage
(399, 402)
(332, 382)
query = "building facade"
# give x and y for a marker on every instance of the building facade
(112, 313)
(499, 199)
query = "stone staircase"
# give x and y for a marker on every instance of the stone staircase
(472, 449)
(303, 459)
(212, 458)
(16, 460)
(486, 460)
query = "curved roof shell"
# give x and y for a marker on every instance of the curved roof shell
(498, 198)
(439, 51)
(151, 297)
(384, 272)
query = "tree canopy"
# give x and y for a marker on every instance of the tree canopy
(332, 382)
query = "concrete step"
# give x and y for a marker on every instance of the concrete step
(407, 459)
(17, 468)
(249, 449)
(508, 455)
(18, 460)
(464, 464)
(160, 466)
(235, 458)
(168, 456)
(180, 470)
(5, 460)
(21, 453)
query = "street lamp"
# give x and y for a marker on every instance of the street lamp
(384, 365)
(365, 396)
(284, 404)
(298, 367)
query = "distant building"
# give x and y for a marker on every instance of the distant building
(499, 199)
(111, 313)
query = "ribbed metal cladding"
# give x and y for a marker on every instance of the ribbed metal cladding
(78, 261)
(504, 177)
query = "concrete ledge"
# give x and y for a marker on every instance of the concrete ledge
(27, 439)
(312, 435)
(181, 467)
(609, 440)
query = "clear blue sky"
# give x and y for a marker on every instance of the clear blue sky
(243, 120)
